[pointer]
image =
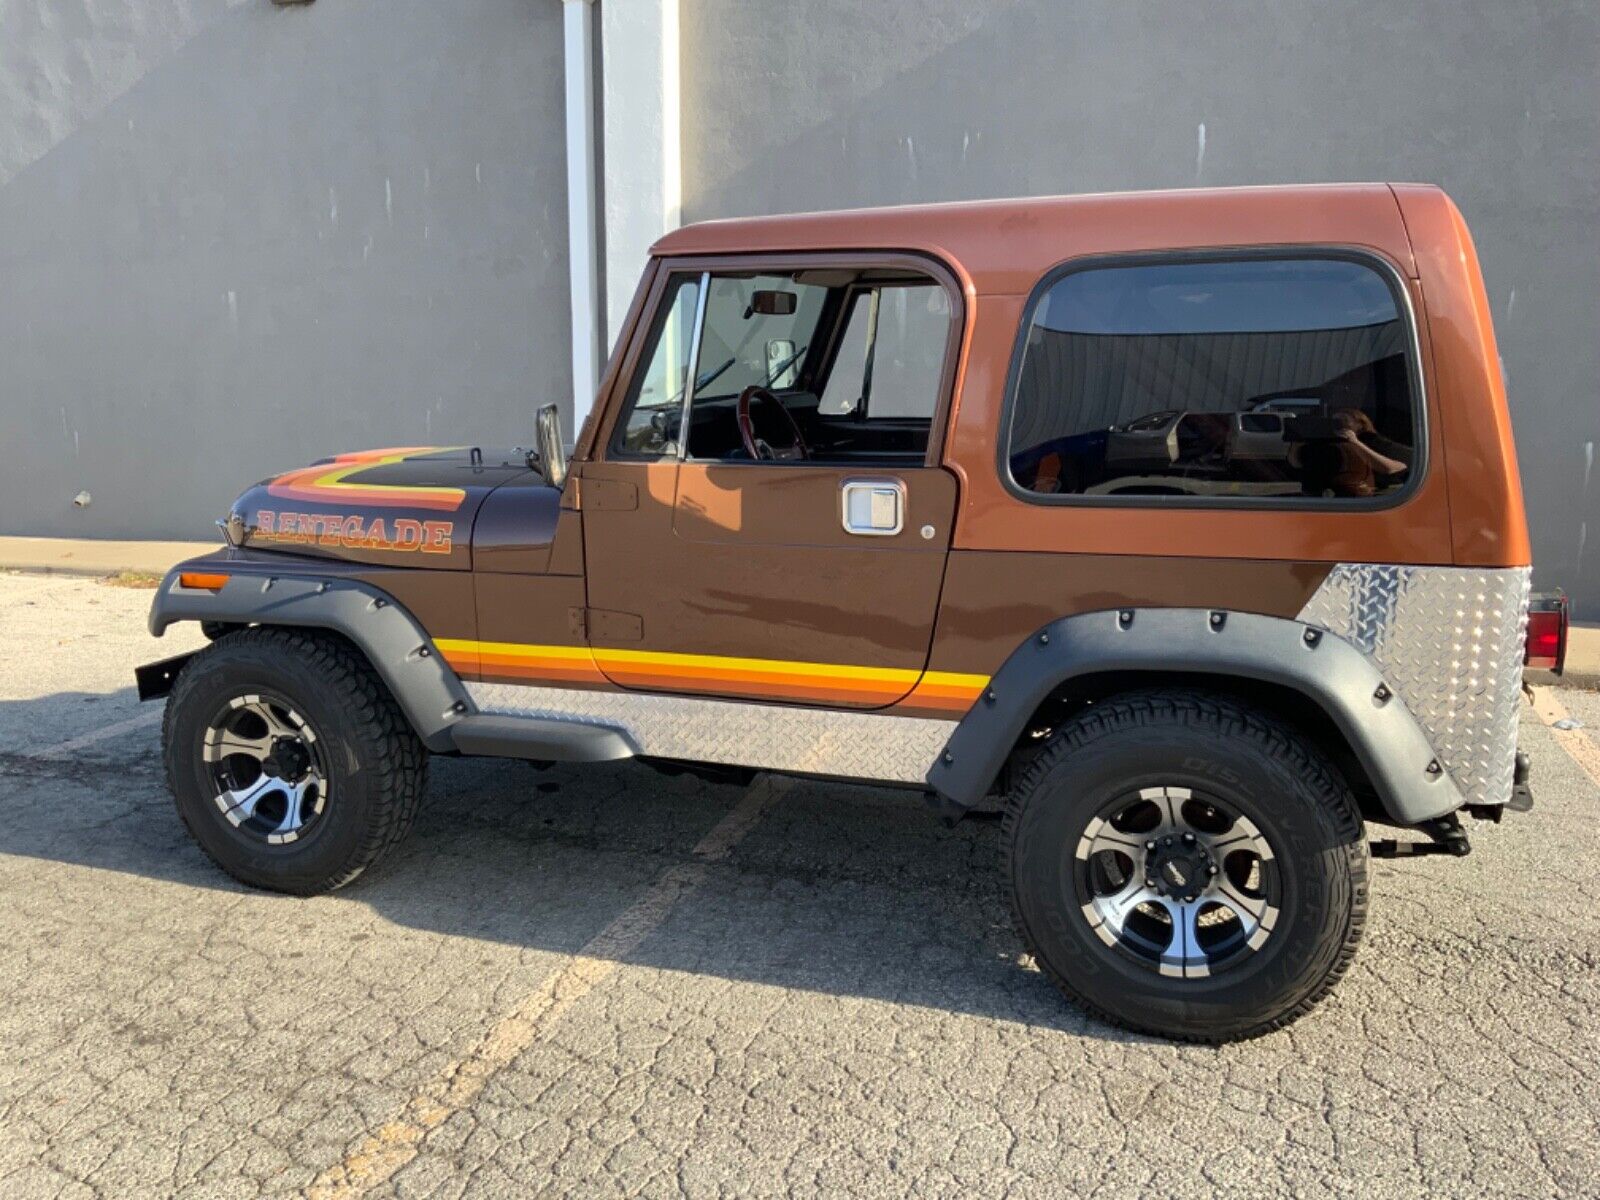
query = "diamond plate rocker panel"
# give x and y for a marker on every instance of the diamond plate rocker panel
(1449, 640)
(770, 737)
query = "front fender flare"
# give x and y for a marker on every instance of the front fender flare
(1323, 667)
(428, 691)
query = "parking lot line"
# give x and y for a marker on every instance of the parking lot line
(71, 745)
(379, 1155)
(1580, 747)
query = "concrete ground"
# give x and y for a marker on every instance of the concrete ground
(604, 982)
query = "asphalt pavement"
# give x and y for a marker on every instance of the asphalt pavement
(599, 981)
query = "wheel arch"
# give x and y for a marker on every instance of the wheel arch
(377, 626)
(1312, 680)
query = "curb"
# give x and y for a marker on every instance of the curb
(102, 557)
(1569, 678)
(95, 557)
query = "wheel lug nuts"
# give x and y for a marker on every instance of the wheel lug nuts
(1189, 838)
(1149, 845)
(1149, 882)
(1212, 869)
(1166, 841)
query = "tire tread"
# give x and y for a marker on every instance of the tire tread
(397, 758)
(1215, 714)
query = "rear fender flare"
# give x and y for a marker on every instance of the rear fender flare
(1329, 671)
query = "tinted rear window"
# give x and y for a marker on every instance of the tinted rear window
(1283, 378)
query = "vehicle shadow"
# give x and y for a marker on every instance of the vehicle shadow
(839, 889)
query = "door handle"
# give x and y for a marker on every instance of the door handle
(872, 507)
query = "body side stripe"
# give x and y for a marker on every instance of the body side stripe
(781, 679)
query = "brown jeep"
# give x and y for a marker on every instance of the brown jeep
(1187, 526)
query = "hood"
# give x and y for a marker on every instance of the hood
(405, 506)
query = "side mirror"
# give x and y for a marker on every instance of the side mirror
(552, 453)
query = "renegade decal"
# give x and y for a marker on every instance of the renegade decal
(353, 532)
(778, 679)
(330, 482)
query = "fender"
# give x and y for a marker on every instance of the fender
(429, 693)
(399, 649)
(1323, 667)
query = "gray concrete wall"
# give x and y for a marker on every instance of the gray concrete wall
(234, 237)
(788, 109)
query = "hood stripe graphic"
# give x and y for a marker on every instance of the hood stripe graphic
(330, 482)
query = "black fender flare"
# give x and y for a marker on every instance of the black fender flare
(399, 649)
(1326, 669)
(428, 691)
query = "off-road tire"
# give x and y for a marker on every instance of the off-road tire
(376, 763)
(1264, 769)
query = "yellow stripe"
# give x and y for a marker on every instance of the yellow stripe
(335, 478)
(514, 649)
(955, 679)
(774, 666)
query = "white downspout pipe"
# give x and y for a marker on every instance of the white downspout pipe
(583, 246)
(643, 160)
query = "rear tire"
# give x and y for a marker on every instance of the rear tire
(1187, 808)
(358, 762)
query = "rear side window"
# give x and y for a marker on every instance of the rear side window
(1218, 379)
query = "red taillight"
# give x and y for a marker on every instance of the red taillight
(1547, 632)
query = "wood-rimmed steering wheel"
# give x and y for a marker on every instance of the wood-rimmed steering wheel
(755, 447)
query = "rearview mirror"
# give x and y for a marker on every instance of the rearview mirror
(552, 453)
(772, 303)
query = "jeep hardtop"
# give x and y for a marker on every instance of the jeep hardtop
(1184, 526)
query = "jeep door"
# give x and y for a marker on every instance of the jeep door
(792, 548)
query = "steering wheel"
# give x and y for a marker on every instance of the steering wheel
(754, 446)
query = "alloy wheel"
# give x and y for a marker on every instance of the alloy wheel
(267, 769)
(1178, 881)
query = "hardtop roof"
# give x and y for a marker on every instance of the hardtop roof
(1005, 245)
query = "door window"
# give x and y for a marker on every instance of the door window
(758, 329)
(655, 400)
(891, 357)
(851, 361)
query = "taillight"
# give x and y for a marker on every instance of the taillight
(1547, 632)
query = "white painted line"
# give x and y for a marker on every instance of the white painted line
(374, 1161)
(65, 749)
(1578, 745)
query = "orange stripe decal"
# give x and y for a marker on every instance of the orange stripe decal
(777, 679)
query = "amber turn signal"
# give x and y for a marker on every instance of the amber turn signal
(202, 581)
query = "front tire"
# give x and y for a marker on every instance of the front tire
(1183, 865)
(291, 764)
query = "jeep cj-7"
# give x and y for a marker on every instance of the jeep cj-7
(1187, 527)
